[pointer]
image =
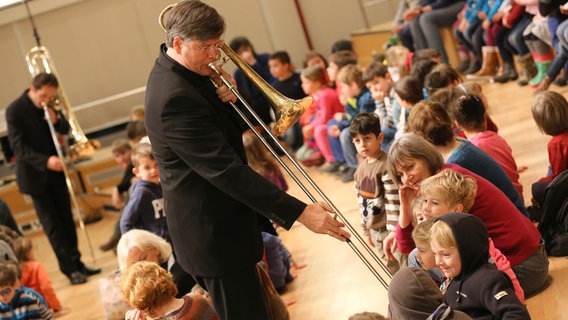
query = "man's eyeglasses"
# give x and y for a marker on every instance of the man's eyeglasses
(208, 48)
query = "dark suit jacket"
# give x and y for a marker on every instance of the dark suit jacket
(31, 141)
(212, 197)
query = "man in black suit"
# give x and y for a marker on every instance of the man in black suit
(39, 171)
(213, 199)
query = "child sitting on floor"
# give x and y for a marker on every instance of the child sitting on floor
(34, 275)
(450, 191)
(472, 285)
(151, 291)
(16, 299)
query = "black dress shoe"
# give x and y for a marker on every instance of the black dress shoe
(77, 278)
(90, 271)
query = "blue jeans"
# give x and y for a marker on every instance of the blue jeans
(470, 36)
(561, 58)
(533, 272)
(516, 39)
(348, 148)
(335, 143)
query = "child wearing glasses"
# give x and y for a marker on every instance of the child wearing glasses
(18, 300)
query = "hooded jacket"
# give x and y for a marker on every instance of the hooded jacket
(414, 295)
(480, 289)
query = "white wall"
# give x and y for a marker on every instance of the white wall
(103, 48)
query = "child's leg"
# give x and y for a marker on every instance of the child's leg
(393, 265)
(322, 142)
(561, 59)
(432, 21)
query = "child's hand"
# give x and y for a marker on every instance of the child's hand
(485, 24)
(389, 246)
(407, 194)
(370, 241)
(333, 131)
(338, 116)
(497, 16)
(481, 15)
(463, 25)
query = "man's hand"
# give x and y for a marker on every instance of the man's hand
(317, 217)
(54, 164)
(223, 91)
(389, 246)
(52, 115)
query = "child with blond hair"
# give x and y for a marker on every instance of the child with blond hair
(450, 191)
(473, 285)
(149, 289)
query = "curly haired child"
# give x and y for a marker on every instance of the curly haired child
(150, 289)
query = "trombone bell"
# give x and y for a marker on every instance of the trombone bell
(39, 61)
(288, 111)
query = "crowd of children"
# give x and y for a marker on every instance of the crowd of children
(424, 156)
(426, 159)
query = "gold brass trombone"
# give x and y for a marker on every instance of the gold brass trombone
(288, 111)
(39, 61)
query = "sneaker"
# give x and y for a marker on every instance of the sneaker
(329, 167)
(349, 175)
(343, 167)
(315, 159)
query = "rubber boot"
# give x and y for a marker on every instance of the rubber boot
(544, 85)
(489, 65)
(542, 66)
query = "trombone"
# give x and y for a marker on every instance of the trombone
(39, 61)
(287, 111)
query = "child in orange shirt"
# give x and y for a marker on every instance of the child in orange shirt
(34, 274)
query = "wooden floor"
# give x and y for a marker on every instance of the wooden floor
(336, 284)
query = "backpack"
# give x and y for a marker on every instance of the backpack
(553, 225)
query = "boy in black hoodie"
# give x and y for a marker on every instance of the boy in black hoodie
(473, 284)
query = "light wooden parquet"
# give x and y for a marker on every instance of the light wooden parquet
(335, 283)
